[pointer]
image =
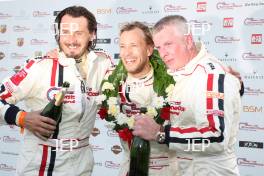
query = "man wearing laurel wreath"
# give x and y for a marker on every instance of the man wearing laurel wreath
(133, 85)
(205, 104)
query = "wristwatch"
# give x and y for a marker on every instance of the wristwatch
(160, 136)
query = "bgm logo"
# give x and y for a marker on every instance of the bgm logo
(95, 132)
(252, 56)
(256, 39)
(251, 144)
(250, 127)
(172, 8)
(201, 6)
(123, 10)
(253, 91)
(251, 108)
(112, 165)
(20, 41)
(225, 39)
(3, 28)
(104, 11)
(116, 149)
(249, 163)
(253, 21)
(2, 55)
(227, 6)
(6, 167)
(228, 22)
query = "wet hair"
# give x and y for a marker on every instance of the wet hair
(146, 31)
(177, 20)
(78, 11)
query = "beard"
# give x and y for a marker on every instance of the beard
(74, 54)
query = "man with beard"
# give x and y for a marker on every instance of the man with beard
(205, 104)
(37, 83)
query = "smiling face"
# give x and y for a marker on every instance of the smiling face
(74, 36)
(135, 52)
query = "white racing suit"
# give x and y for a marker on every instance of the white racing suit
(138, 93)
(205, 109)
(36, 84)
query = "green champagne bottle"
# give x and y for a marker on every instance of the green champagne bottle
(53, 109)
(139, 157)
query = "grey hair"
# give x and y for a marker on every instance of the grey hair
(176, 20)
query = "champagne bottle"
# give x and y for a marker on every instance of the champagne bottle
(53, 109)
(139, 157)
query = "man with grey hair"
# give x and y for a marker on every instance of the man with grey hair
(205, 104)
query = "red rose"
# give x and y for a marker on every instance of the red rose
(102, 113)
(125, 134)
(165, 113)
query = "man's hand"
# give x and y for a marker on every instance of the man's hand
(41, 126)
(146, 127)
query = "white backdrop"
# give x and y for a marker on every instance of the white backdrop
(234, 33)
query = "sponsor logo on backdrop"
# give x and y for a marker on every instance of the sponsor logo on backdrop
(3, 28)
(228, 59)
(251, 144)
(9, 139)
(252, 108)
(227, 6)
(173, 8)
(95, 132)
(249, 163)
(98, 164)
(116, 56)
(112, 133)
(254, 21)
(4, 15)
(252, 56)
(20, 41)
(101, 26)
(42, 28)
(228, 22)
(103, 41)
(40, 14)
(149, 24)
(226, 39)
(38, 42)
(254, 75)
(201, 6)
(17, 69)
(9, 153)
(254, 4)
(253, 91)
(116, 149)
(18, 28)
(96, 148)
(120, 25)
(256, 39)
(250, 127)
(4, 42)
(112, 165)
(151, 11)
(6, 167)
(2, 55)
(104, 11)
(125, 10)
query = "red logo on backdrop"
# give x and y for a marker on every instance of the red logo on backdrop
(256, 39)
(246, 162)
(201, 7)
(228, 22)
(252, 56)
(253, 21)
(18, 77)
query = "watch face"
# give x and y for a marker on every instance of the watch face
(161, 137)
